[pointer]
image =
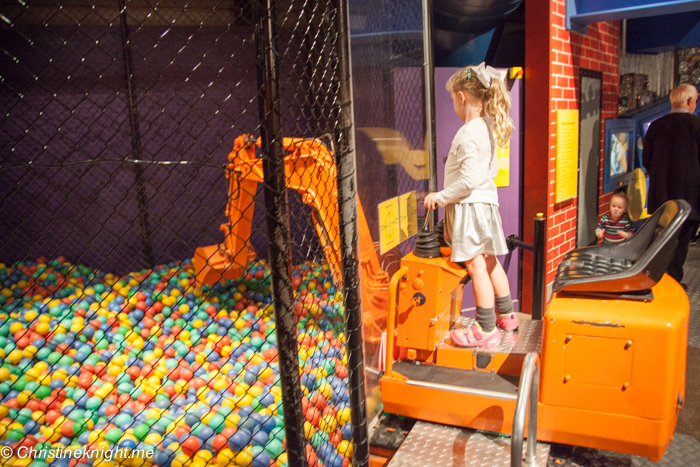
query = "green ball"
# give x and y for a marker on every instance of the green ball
(76, 414)
(16, 434)
(113, 435)
(24, 415)
(141, 431)
(319, 438)
(274, 448)
(217, 423)
(43, 353)
(122, 419)
(43, 392)
(20, 384)
(93, 403)
(65, 360)
(31, 386)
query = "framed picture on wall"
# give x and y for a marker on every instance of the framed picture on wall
(590, 104)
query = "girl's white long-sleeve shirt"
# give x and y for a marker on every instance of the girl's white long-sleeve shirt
(471, 166)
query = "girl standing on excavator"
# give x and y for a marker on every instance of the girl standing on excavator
(472, 221)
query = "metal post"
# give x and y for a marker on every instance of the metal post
(538, 267)
(429, 91)
(347, 203)
(135, 137)
(278, 229)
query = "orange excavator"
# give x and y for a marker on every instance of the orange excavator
(311, 171)
(604, 368)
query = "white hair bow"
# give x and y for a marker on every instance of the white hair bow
(487, 73)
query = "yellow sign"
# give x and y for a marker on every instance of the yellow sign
(503, 158)
(389, 233)
(566, 183)
(408, 215)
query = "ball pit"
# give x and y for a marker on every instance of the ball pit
(146, 361)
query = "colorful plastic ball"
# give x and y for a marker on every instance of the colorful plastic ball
(239, 440)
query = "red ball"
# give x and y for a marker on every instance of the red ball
(191, 445)
(319, 400)
(219, 442)
(186, 374)
(312, 415)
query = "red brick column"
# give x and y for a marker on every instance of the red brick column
(554, 56)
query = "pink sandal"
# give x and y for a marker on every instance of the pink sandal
(474, 336)
(507, 322)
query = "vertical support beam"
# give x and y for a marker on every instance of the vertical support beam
(278, 229)
(347, 201)
(538, 267)
(429, 88)
(537, 114)
(135, 137)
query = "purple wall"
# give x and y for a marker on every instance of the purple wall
(65, 102)
(508, 197)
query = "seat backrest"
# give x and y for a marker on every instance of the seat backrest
(648, 254)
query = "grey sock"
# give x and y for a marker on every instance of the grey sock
(504, 305)
(486, 318)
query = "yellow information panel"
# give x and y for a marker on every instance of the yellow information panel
(389, 232)
(503, 158)
(408, 215)
(566, 183)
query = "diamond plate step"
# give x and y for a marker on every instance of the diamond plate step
(442, 445)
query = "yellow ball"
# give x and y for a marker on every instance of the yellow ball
(153, 438)
(345, 448)
(42, 328)
(328, 423)
(308, 430)
(343, 416)
(15, 356)
(245, 457)
(225, 458)
(5, 374)
(29, 351)
(182, 460)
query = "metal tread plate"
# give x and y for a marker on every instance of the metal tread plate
(442, 445)
(481, 380)
(527, 338)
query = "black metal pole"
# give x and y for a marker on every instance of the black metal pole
(347, 200)
(429, 92)
(135, 137)
(277, 219)
(538, 267)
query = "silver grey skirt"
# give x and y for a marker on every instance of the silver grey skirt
(474, 229)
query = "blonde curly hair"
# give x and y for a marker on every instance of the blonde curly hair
(495, 98)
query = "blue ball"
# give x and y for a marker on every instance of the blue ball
(324, 450)
(127, 444)
(163, 458)
(260, 438)
(239, 440)
(261, 459)
(333, 459)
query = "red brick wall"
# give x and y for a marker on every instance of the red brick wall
(598, 50)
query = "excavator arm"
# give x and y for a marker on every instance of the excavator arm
(309, 169)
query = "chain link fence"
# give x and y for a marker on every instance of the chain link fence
(178, 275)
(388, 60)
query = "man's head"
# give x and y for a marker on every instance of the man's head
(684, 96)
(618, 205)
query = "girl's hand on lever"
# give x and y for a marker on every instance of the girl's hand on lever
(430, 201)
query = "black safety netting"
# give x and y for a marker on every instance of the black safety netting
(178, 284)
